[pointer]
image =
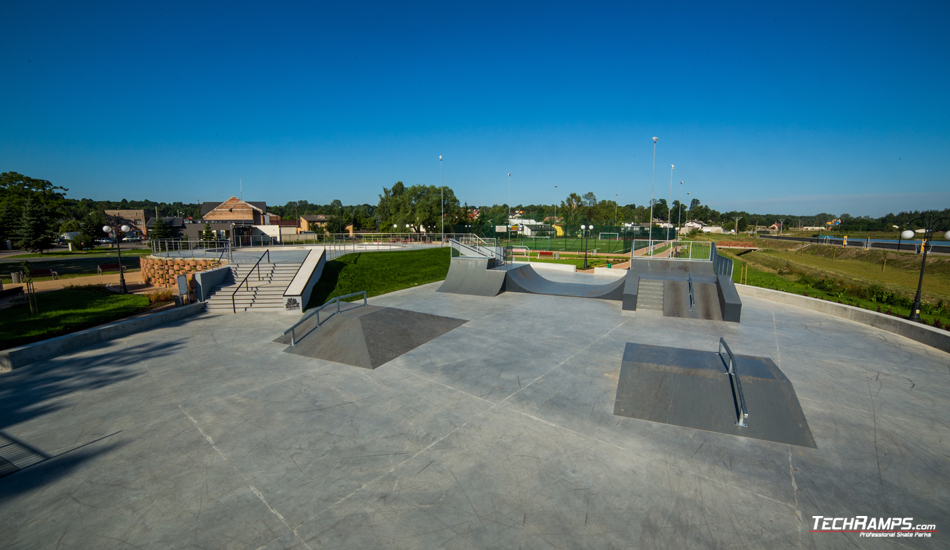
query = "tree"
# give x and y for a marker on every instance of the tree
(15, 189)
(35, 232)
(92, 224)
(590, 199)
(69, 226)
(207, 235)
(159, 230)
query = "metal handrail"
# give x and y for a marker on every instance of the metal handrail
(741, 411)
(692, 299)
(292, 329)
(257, 265)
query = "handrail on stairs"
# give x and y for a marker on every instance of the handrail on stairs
(257, 265)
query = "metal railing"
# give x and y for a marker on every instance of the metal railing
(257, 265)
(738, 398)
(721, 265)
(316, 312)
(475, 249)
(671, 250)
(194, 248)
(692, 298)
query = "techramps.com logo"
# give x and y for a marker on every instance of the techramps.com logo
(871, 527)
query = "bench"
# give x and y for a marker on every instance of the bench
(43, 273)
(17, 291)
(109, 267)
(548, 253)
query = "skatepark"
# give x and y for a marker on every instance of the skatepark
(499, 408)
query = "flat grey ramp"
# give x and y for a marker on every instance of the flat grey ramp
(676, 300)
(526, 279)
(370, 336)
(691, 389)
(472, 276)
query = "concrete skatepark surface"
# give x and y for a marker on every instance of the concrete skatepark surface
(500, 433)
(524, 278)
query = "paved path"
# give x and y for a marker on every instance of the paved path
(131, 280)
(499, 434)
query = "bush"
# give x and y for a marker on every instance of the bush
(160, 296)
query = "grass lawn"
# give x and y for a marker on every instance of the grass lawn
(65, 311)
(380, 273)
(93, 252)
(603, 246)
(68, 267)
(839, 292)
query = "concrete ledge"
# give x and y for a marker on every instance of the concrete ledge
(22, 356)
(917, 332)
(618, 273)
(552, 267)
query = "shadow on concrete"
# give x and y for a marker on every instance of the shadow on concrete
(36, 390)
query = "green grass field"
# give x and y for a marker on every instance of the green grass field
(380, 273)
(67, 267)
(101, 251)
(561, 244)
(65, 311)
(592, 262)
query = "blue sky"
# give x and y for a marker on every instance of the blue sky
(795, 108)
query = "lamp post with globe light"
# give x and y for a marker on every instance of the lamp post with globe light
(928, 236)
(584, 229)
(118, 249)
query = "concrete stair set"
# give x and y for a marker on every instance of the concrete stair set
(266, 294)
(650, 295)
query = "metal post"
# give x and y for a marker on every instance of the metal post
(652, 187)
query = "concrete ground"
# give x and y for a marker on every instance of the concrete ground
(498, 434)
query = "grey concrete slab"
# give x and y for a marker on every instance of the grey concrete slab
(499, 433)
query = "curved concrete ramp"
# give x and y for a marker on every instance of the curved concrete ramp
(526, 279)
(473, 276)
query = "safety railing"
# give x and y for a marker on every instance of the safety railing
(738, 398)
(692, 298)
(192, 248)
(461, 249)
(257, 266)
(316, 312)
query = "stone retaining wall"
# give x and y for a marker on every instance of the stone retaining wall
(163, 272)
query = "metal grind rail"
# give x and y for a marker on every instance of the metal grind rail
(293, 329)
(257, 265)
(741, 411)
(692, 298)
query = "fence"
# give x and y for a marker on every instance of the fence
(193, 248)
(672, 250)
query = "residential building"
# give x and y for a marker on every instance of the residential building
(136, 219)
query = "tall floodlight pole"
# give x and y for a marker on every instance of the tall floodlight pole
(679, 209)
(555, 205)
(652, 187)
(616, 206)
(508, 230)
(669, 211)
(688, 208)
(442, 183)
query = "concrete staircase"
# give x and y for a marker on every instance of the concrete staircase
(266, 294)
(650, 295)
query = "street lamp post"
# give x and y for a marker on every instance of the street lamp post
(669, 214)
(652, 186)
(442, 190)
(118, 249)
(928, 237)
(584, 230)
(508, 229)
(555, 205)
(689, 208)
(679, 209)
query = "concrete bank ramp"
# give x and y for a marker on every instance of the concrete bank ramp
(526, 279)
(369, 336)
(691, 389)
(473, 276)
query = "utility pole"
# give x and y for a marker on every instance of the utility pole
(737, 226)
(652, 187)
(442, 190)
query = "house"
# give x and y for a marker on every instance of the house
(136, 219)
(235, 210)
(777, 226)
(712, 229)
(313, 223)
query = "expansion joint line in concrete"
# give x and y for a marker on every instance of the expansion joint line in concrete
(457, 428)
(798, 513)
(220, 453)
